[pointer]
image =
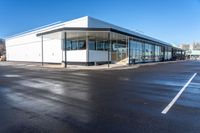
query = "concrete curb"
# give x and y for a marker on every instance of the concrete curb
(34, 66)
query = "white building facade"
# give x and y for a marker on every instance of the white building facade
(88, 41)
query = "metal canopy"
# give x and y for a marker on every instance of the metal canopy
(59, 34)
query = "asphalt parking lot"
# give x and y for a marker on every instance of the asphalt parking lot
(122, 101)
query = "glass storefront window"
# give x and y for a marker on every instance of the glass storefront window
(149, 52)
(136, 51)
(74, 45)
(100, 45)
(140, 50)
(81, 44)
(106, 46)
(92, 45)
(69, 45)
(169, 53)
(119, 47)
(75, 41)
(158, 54)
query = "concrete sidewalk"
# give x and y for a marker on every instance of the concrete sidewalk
(30, 65)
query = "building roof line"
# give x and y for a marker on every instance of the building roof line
(35, 29)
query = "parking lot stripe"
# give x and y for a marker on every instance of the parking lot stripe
(178, 95)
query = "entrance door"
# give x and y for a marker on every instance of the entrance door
(119, 52)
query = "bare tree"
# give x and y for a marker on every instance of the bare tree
(2, 47)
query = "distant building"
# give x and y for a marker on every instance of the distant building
(192, 50)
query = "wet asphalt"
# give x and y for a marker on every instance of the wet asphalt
(122, 101)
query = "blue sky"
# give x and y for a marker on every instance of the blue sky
(173, 21)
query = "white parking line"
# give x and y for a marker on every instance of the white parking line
(178, 95)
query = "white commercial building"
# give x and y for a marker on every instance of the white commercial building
(88, 41)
